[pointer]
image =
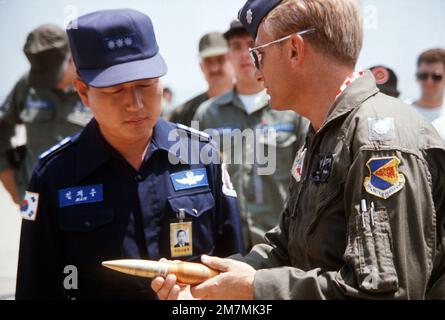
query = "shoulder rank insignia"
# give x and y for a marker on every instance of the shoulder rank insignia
(58, 147)
(384, 179)
(200, 134)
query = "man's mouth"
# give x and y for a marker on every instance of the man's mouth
(136, 121)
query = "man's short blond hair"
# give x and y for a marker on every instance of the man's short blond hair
(337, 23)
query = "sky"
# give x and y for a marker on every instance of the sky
(396, 31)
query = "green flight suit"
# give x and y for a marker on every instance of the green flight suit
(185, 112)
(48, 116)
(260, 197)
(376, 150)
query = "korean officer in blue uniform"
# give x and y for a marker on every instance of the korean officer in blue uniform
(126, 184)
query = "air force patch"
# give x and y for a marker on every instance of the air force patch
(28, 209)
(189, 179)
(384, 179)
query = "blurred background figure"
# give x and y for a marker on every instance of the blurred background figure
(217, 71)
(386, 80)
(167, 102)
(430, 77)
(246, 107)
(167, 95)
(45, 102)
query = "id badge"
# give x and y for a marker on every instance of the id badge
(181, 240)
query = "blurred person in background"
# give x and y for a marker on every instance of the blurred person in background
(430, 76)
(217, 71)
(45, 101)
(167, 102)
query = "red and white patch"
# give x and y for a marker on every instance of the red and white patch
(297, 167)
(381, 75)
(354, 76)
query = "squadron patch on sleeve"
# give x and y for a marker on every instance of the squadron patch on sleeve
(384, 179)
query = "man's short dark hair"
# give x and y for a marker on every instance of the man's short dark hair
(236, 30)
(237, 33)
(432, 56)
(180, 230)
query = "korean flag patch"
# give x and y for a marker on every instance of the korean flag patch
(28, 209)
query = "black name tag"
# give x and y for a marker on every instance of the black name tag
(322, 167)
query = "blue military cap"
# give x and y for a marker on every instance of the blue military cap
(110, 47)
(253, 13)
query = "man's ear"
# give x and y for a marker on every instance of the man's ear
(296, 48)
(201, 65)
(82, 90)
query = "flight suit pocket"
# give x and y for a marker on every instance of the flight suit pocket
(328, 197)
(85, 221)
(194, 204)
(370, 251)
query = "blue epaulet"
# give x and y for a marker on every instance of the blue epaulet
(57, 148)
(195, 133)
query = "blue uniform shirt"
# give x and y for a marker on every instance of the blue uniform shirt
(93, 206)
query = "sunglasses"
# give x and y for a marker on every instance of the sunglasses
(256, 56)
(423, 76)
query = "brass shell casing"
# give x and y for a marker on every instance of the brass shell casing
(185, 272)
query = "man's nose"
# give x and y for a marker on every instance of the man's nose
(135, 100)
(214, 67)
(429, 81)
(245, 53)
